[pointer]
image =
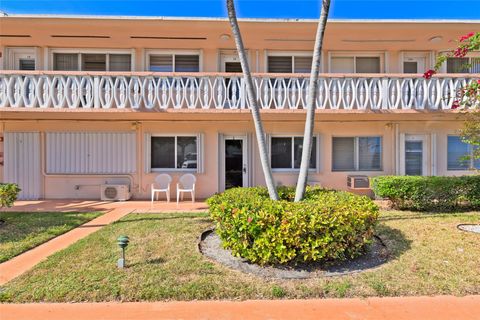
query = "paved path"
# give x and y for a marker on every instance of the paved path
(114, 211)
(409, 308)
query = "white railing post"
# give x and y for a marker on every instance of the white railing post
(243, 94)
(385, 93)
(96, 92)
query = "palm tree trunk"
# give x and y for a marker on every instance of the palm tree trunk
(252, 99)
(312, 96)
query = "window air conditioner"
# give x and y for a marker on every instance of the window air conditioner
(358, 182)
(114, 192)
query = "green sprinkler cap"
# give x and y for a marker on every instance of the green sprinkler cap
(123, 241)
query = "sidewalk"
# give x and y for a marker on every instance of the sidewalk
(114, 211)
(408, 308)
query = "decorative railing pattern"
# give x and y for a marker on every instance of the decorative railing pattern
(161, 91)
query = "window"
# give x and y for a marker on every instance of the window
(353, 64)
(26, 64)
(456, 151)
(174, 152)
(414, 157)
(410, 67)
(286, 153)
(65, 61)
(120, 62)
(289, 64)
(357, 153)
(92, 62)
(174, 62)
(463, 65)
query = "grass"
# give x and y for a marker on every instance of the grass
(430, 256)
(22, 231)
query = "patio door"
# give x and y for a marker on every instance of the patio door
(235, 165)
(414, 155)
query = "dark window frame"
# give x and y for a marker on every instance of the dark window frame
(293, 167)
(175, 166)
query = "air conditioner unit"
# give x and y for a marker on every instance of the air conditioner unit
(114, 192)
(358, 182)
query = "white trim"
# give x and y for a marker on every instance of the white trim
(425, 151)
(290, 20)
(281, 53)
(433, 154)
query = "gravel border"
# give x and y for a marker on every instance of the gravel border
(474, 228)
(210, 246)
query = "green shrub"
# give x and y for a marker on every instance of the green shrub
(429, 193)
(327, 225)
(8, 194)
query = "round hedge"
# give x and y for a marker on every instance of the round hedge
(327, 225)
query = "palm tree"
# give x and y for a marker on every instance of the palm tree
(312, 96)
(252, 99)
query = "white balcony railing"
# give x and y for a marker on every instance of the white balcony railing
(162, 91)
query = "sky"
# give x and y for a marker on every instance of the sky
(300, 9)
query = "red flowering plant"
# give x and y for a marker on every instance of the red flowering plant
(467, 98)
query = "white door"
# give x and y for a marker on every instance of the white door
(230, 63)
(24, 62)
(235, 166)
(413, 64)
(414, 155)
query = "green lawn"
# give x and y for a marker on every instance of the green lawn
(22, 231)
(430, 256)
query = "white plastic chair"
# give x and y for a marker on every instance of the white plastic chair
(186, 183)
(162, 184)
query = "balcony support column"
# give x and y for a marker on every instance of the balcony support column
(385, 93)
(96, 92)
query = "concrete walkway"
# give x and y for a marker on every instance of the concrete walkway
(408, 308)
(114, 211)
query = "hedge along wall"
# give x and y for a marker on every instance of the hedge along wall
(327, 225)
(429, 193)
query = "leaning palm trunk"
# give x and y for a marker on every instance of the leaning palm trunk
(252, 99)
(312, 96)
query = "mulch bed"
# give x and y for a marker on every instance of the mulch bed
(376, 255)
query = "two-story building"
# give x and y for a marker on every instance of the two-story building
(86, 101)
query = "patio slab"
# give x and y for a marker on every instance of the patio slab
(114, 211)
(403, 308)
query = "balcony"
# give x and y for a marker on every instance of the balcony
(146, 91)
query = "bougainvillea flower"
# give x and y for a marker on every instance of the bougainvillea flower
(467, 36)
(429, 74)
